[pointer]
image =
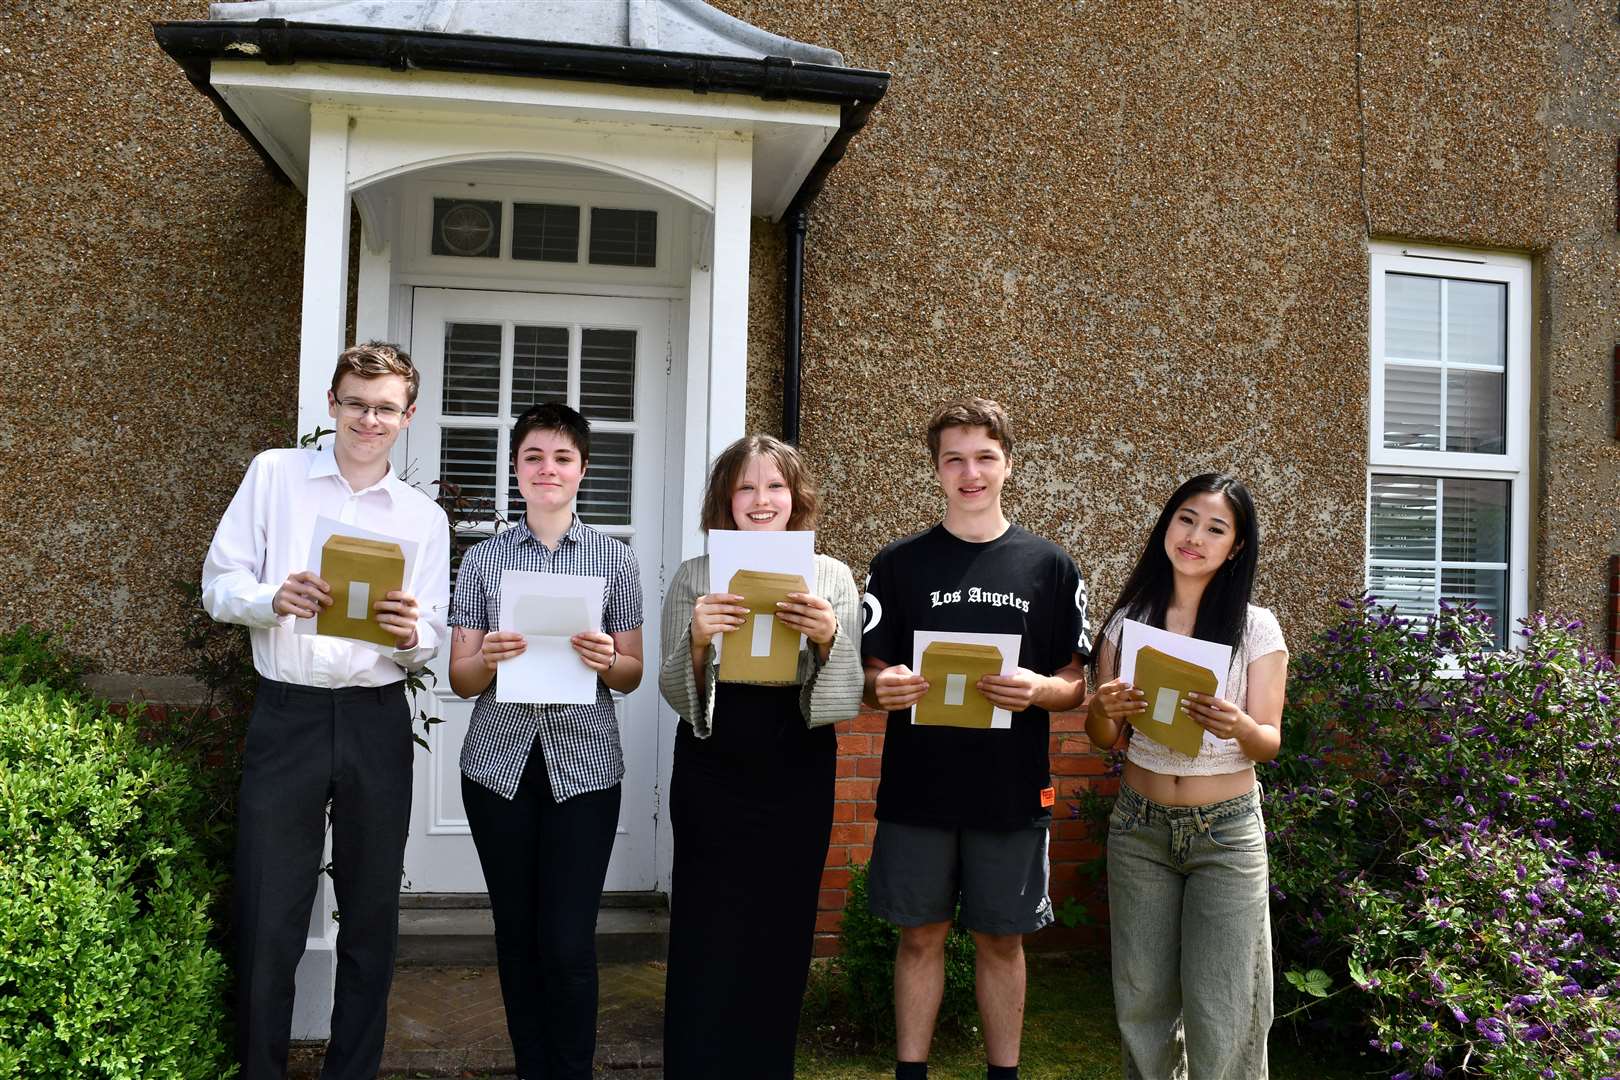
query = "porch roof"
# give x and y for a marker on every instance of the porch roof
(736, 58)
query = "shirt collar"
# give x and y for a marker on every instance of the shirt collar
(324, 463)
(522, 534)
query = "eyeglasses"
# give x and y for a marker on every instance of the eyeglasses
(354, 409)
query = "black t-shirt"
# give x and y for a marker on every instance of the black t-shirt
(1015, 584)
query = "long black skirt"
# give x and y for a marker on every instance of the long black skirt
(751, 808)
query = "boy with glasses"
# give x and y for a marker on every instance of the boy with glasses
(331, 720)
(963, 813)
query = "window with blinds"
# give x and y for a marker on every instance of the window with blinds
(493, 371)
(1448, 459)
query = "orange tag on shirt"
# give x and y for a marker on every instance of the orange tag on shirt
(1048, 796)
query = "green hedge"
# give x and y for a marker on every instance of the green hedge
(106, 970)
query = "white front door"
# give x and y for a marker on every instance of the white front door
(484, 358)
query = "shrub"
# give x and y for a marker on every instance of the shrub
(28, 656)
(105, 968)
(866, 963)
(1443, 821)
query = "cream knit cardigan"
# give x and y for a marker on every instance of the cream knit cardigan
(829, 692)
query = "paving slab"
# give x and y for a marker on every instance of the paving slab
(449, 1021)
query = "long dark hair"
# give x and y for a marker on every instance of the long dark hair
(1224, 607)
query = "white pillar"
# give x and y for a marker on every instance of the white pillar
(695, 448)
(728, 299)
(326, 263)
(326, 291)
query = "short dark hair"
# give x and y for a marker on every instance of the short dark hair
(553, 416)
(375, 359)
(729, 466)
(970, 412)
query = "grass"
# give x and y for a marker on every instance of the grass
(1069, 1034)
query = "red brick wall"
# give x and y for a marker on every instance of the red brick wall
(1614, 604)
(860, 753)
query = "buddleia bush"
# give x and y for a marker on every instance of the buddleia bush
(1444, 822)
(106, 970)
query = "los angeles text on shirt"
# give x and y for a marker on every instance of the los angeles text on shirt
(976, 595)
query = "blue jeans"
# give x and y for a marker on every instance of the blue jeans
(1191, 935)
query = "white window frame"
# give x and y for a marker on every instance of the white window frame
(1514, 465)
(421, 266)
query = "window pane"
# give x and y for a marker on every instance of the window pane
(472, 369)
(1411, 408)
(1475, 527)
(469, 228)
(1403, 517)
(607, 374)
(1485, 589)
(1409, 588)
(467, 470)
(624, 237)
(1411, 317)
(1476, 416)
(545, 231)
(1476, 322)
(539, 365)
(604, 494)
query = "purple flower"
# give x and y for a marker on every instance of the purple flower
(1458, 1015)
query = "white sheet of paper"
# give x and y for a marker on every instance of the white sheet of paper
(325, 529)
(1206, 654)
(548, 609)
(1009, 644)
(731, 550)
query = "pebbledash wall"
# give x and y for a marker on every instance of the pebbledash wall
(1142, 226)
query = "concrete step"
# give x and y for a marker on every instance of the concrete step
(456, 929)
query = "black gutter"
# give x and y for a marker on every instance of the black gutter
(794, 224)
(196, 45)
(795, 221)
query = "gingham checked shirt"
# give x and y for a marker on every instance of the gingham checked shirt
(580, 742)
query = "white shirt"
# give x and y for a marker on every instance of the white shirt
(265, 535)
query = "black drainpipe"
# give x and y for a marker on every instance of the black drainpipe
(795, 222)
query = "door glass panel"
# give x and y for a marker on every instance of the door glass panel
(604, 494)
(467, 461)
(472, 369)
(1403, 517)
(607, 374)
(1411, 317)
(539, 365)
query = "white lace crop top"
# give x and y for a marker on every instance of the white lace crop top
(1261, 636)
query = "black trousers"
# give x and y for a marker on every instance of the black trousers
(544, 864)
(306, 745)
(751, 807)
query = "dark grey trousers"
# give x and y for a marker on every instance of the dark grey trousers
(306, 745)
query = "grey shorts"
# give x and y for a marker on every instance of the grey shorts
(919, 874)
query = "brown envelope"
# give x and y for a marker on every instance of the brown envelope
(1167, 680)
(953, 670)
(360, 572)
(763, 650)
